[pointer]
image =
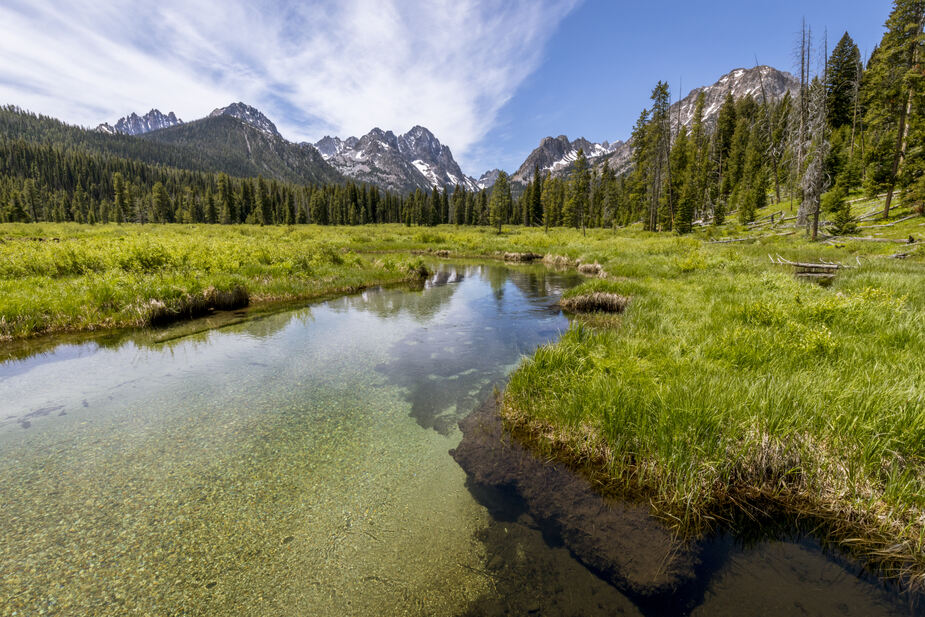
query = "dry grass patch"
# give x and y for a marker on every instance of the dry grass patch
(522, 257)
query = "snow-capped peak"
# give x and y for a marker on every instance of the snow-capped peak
(415, 159)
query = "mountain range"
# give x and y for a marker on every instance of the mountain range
(133, 124)
(241, 140)
(403, 163)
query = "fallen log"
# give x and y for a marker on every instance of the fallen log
(906, 254)
(905, 218)
(910, 240)
(822, 265)
(728, 240)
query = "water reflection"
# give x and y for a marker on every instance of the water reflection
(442, 368)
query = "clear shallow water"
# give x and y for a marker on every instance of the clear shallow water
(296, 463)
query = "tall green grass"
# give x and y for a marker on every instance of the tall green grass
(728, 381)
(72, 277)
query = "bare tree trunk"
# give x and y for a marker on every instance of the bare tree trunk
(902, 135)
(668, 163)
(770, 124)
(899, 152)
(856, 87)
(804, 87)
(814, 179)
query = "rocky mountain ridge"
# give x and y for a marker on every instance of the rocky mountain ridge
(417, 160)
(555, 156)
(133, 124)
(403, 163)
(249, 115)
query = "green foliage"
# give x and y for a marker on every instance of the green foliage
(575, 211)
(500, 204)
(843, 71)
(836, 203)
(66, 276)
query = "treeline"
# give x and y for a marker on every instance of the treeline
(52, 172)
(49, 182)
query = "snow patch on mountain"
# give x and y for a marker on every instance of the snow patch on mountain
(555, 155)
(488, 179)
(404, 163)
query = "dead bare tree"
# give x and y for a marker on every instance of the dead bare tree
(815, 179)
(805, 57)
(856, 96)
(773, 151)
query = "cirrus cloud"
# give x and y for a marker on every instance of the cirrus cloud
(338, 67)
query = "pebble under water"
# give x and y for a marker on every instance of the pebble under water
(298, 463)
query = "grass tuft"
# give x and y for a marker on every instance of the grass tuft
(595, 302)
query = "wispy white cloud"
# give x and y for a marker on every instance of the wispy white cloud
(338, 67)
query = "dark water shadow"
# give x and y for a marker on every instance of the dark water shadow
(732, 571)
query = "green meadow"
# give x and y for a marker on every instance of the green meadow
(727, 385)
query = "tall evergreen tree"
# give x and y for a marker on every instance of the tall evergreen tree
(536, 197)
(500, 201)
(160, 204)
(576, 208)
(895, 88)
(844, 73)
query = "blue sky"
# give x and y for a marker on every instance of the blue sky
(489, 78)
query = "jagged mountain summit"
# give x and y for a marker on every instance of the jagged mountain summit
(247, 147)
(133, 124)
(329, 146)
(555, 155)
(741, 83)
(414, 160)
(488, 179)
(249, 115)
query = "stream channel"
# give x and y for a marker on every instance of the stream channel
(303, 461)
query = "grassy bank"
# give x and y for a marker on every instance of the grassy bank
(68, 277)
(728, 384)
(725, 383)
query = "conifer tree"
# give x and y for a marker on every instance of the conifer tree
(895, 90)
(843, 70)
(459, 205)
(319, 208)
(536, 197)
(576, 207)
(210, 214)
(160, 202)
(17, 214)
(500, 201)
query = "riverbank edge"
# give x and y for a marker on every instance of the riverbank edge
(255, 300)
(161, 317)
(864, 535)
